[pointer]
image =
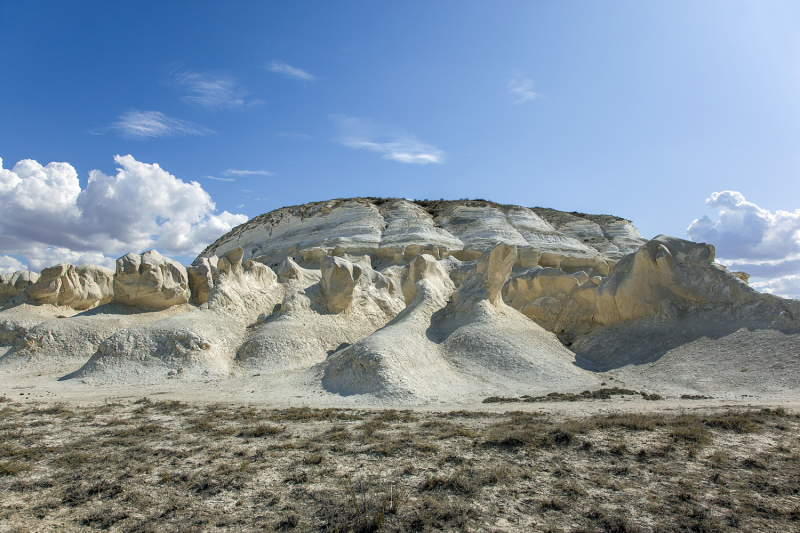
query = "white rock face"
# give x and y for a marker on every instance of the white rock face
(338, 284)
(201, 275)
(395, 231)
(614, 237)
(81, 287)
(467, 340)
(393, 301)
(664, 277)
(12, 284)
(150, 280)
(201, 342)
(319, 317)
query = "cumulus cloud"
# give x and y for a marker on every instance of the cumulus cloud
(293, 72)
(394, 144)
(11, 264)
(48, 218)
(137, 124)
(756, 240)
(786, 286)
(210, 92)
(234, 172)
(521, 89)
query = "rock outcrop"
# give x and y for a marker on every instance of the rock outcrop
(81, 287)
(12, 284)
(394, 231)
(664, 277)
(393, 300)
(338, 283)
(150, 280)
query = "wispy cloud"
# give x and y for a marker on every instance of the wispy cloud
(209, 91)
(294, 136)
(218, 179)
(521, 89)
(394, 144)
(292, 72)
(137, 124)
(234, 172)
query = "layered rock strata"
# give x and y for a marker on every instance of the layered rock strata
(399, 300)
(394, 231)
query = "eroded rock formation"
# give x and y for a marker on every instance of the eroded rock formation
(12, 284)
(394, 231)
(394, 300)
(81, 287)
(150, 280)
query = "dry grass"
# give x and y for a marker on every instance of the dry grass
(169, 466)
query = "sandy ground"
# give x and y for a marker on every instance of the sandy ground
(294, 391)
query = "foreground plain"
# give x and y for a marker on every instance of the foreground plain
(146, 465)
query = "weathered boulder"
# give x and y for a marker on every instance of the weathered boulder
(201, 278)
(424, 267)
(150, 280)
(81, 287)
(12, 284)
(288, 271)
(338, 283)
(486, 282)
(230, 263)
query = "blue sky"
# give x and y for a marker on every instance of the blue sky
(638, 109)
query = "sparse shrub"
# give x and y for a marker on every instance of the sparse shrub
(312, 459)
(462, 480)
(12, 468)
(260, 430)
(686, 428)
(288, 522)
(553, 504)
(747, 422)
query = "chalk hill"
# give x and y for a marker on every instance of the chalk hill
(390, 300)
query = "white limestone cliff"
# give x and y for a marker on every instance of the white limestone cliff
(393, 300)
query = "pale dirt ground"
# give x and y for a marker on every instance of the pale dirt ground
(278, 453)
(156, 465)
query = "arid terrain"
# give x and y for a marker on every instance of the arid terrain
(578, 466)
(378, 364)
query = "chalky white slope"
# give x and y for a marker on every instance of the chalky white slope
(362, 301)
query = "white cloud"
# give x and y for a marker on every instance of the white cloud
(11, 264)
(294, 136)
(48, 218)
(209, 91)
(786, 286)
(396, 145)
(521, 89)
(218, 179)
(749, 238)
(137, 124)
(292, 72)
(234, 172)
